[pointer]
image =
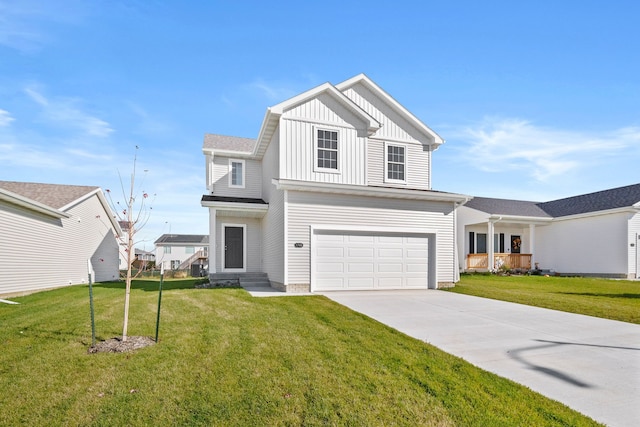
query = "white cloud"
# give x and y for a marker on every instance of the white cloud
(5, 118)
(507, 144)
(25, 25)
(65, 112)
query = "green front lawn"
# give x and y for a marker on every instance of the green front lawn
(226, 358)
(610, 299)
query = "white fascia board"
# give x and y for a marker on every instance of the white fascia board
(227, 153)
(520, 219)
(362, 78)
(357, 190)
(629, 209)
(25, 202)
(236, 206)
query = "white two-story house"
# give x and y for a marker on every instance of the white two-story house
(334, 194)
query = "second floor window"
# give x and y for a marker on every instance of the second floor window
(236, 173)
(189, 250)
(327, 149)
(396, 162)
(167, 249)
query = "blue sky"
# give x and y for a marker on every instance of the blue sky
(536, 100)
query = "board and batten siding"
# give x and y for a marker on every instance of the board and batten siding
(634, 251)
(253, 239)
(305, 209)
(393, 125)
(297, 142)
(417, 165)
(220, 176)
(40, 252)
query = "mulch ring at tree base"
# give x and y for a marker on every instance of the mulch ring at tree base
(116, 345)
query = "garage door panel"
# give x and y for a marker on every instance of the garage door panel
(390, 282)
(360, 282)
(330, 251)
(368, 260)
(390, 252)
(360, 252)
(417, 253)
(327, 267)
(390, 239)
(390, 268)
(360, 267)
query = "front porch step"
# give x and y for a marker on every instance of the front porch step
(243, 279)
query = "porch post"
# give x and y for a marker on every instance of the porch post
(532, 248)
(490, 249)
(212, 241)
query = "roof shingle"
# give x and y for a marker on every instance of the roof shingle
(52, 195)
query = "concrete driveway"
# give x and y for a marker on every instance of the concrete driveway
(591, 365)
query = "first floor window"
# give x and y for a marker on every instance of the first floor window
(175, 263)
(327, 149)
(396, 161)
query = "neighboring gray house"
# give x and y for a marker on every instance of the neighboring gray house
(591, 234)
(334, 194)
(49, 231)
(181, 251)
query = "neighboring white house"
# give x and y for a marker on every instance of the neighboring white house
(181, 251)
(592, 234)
(335, 193)
(49, 231)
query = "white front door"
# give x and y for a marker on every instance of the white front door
(345, 260)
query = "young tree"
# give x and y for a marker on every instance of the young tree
(132, 215)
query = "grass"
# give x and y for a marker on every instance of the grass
(226, 358)
(609, 299)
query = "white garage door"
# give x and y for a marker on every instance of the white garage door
(347, 260)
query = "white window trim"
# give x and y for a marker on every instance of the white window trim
(316, 168)
(386, 163)
(244, 169)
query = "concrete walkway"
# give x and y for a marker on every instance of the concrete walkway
(591, 365)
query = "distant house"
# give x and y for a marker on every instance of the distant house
(49, 231)
(593, 234)
(144, 259)
(181, 251)
(335, 193)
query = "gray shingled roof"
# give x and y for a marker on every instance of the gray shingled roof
(186, 239)
(599, 201)
(231, 143)
(593, 202)
(52, 195)
(506, 207)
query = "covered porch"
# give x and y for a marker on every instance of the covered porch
(501, 243)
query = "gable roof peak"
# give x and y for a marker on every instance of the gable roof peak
(364, 80)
